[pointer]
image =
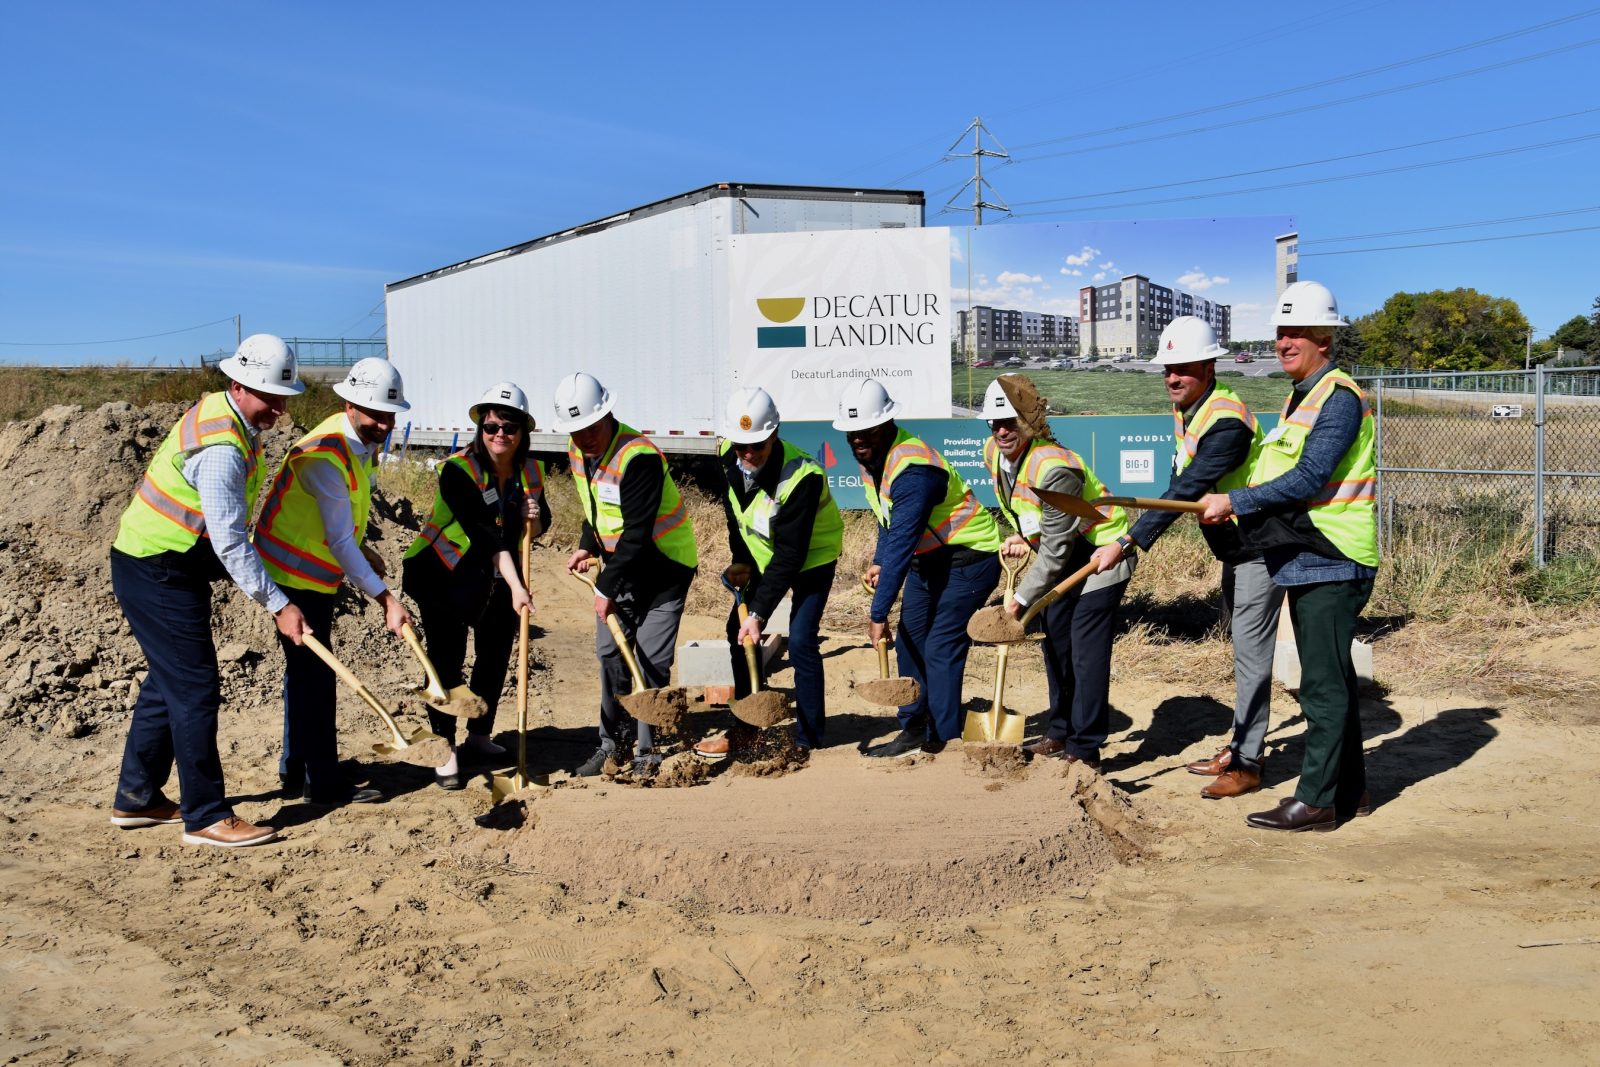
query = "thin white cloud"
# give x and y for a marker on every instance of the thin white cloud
(957, 253)
(1108, 265)
(1011, 277)
(1069, 272)
(1083, 258)
(1199, 281)
(1099, 276)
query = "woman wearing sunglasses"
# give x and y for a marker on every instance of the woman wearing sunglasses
(464, 570)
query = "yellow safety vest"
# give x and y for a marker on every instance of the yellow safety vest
(1024, 510)
(290, 536)
(1223, 403)
(755, 522)
(958, 519)
(164, 515)
(443, 533)
(1345, 510)
(673, 532)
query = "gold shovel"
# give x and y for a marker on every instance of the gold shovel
(461, 701)
(665, 707)
(995, 626)
(762, 708)
(500, 786)
(885, 691)
(422, 746)
(997, 724)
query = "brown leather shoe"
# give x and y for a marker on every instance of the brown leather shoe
(1235, 782)
(1046, 746)
(1293, 816)
(1092, 764)
(158, 814)
(1213, 766)
(232, 832)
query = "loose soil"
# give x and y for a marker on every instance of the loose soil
(762, 709)
(993, 626)
(963, 908)
(889, 692)
(666, 708)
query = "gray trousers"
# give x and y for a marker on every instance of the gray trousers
(1253, 601)
(652, 631)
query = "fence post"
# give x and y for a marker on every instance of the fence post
(1377, 423)
(1538, 465)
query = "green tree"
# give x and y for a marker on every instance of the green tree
(1577, 332)
(1454, 329)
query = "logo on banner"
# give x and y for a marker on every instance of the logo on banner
(781, 309)
(829, 460)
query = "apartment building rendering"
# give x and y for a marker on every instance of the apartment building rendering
(985, 333)
(1125, 318)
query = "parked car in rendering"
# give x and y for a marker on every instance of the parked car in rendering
(1061, 364)
(983, 363)
(1014, 361)
(1244, 357)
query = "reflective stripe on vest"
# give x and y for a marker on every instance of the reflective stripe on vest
(165, 515)
(443, 533)
(956, 520)
(827, 529)
(1223, 403)
(1345, 509)
(290, 536)
(672, 531)
(1025, 509)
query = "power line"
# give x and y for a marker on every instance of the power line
(1447, 226)
(114, 340)
(1385, 68)
(1323, 181)
(1462, 241)
(1308, 163)
(1314, 107)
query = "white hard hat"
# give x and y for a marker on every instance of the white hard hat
(264, 363)
(1187, 339)
(581, 401)
(751, 417)
(996, 405)
(374, 384)
(863, 405)
(1307, 304)
(506, 395)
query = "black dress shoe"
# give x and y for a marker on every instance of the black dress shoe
(1293, 816)
(907, 742)
(451, 782)
(592, 766)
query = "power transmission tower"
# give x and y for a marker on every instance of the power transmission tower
(977, 182)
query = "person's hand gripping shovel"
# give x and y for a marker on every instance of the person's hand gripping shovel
(502, 787)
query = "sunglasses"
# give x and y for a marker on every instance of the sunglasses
(1002, 424)
(495, 429)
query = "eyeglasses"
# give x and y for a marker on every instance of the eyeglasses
(495, 429)
(739, 446)
(1002, 424)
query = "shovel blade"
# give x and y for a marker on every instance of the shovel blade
(1012, 728)
(976, 728)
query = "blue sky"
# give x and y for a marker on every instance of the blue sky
(172, 164)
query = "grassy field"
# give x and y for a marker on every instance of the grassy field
(1113, 392)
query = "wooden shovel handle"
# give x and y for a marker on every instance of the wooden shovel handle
(1065, 585)
(749, 651)
(354, 683)
(1192, 507)
(522, 651)
(409, 632)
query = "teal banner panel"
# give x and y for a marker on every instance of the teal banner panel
(1131, 454)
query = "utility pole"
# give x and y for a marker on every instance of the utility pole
(977, 182)
(1527, 357)
(238, 331)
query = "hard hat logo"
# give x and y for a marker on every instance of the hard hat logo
(745, 422)
(854, 414)
(1169, 346)
(573, 413)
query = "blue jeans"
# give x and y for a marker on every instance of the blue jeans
(805, 652)
(168, 608)
(931, 644)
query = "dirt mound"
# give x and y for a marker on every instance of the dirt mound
(997, 761)
(833, 842)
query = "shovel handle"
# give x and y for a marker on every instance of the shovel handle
(617, 636)
(409, 632)
(1192, 507)
(883, 658)
(522, 653)
(396, 738)
(749, 651)
(1066, 585)
(1000, 679)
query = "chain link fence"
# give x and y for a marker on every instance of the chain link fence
(1500, 458)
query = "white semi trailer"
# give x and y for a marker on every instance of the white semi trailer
(638, 299)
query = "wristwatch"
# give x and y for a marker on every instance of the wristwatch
(1128, 545)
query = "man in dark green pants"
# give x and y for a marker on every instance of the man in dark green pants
(1311, 508)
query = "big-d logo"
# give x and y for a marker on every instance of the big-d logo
(781, 309)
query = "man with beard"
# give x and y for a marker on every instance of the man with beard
(309, 536)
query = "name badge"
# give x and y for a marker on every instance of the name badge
(761, 523)
(1030, 524)
(1275, 433)
(490, 495)
(609, 492)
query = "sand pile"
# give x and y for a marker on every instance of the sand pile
(833, 842)
(68, 664)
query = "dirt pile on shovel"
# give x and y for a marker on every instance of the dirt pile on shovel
(762, 709)
(665, 709)
(68, 664)
(888, 692)
(993, 626)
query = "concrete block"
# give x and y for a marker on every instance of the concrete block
(704, 663)
(1286, 661)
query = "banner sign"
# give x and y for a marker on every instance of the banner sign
(1131, 454)
(809, 313)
